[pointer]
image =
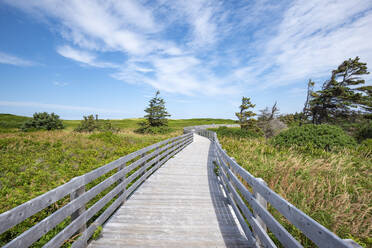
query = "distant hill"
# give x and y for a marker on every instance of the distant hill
(12, 121)
(8, 121)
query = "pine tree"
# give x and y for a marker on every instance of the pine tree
(339, 96)
(245, 114)
(156, 112)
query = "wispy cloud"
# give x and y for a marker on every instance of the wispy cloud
(210, 47)
(312, 39)
(14, 60)
(61, 84)
(83, 57)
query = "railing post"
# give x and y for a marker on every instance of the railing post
(121, 167)
(80, 191)
(263, 203)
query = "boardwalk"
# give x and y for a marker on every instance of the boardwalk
(181, 205)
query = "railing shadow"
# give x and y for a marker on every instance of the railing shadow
(230, 231)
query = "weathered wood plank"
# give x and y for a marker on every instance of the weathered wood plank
(262, 234)
(240, 217)
(180, 202)
(320, 235)
(35, 232)
(22, 212)
(107, 213)
(83, 218)
(18, 214)
(275, 227)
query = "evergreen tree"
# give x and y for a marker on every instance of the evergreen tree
(340, 96)
(156, 112)
(245, 114)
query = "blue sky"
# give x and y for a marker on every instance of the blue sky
(76, 58)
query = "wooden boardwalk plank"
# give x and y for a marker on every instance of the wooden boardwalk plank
(180, 205)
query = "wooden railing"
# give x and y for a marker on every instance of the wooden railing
(233, 176)
(132, 170)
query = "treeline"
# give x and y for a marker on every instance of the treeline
(336, 115)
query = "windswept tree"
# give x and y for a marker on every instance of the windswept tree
(307, 111)
(342, 94)
(245, 115)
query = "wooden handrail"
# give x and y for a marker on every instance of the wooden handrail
(149, 159)
(232, 175)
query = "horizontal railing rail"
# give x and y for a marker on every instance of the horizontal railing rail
(127, 178)
(233, 177)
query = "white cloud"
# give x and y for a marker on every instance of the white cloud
(83, 57)
(313, 38)
(61, 84)
(210, 47)
(13, 60)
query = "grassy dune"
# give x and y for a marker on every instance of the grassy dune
(333, 188)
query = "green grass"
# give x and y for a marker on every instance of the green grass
(334, 188)
(10, 122)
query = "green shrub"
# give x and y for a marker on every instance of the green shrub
(326, 137)
(237, 132)
(43, 121)
(364, 132)
(145, 128)
(91, 124)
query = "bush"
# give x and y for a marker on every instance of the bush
(326, 137)
(364, 132)
(145, 128)
(237, 132)
(91, 124)
(43, 121)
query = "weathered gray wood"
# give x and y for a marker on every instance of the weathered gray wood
(263, 203)
(275, 227)
(74, 225)
(22, 212)
(258, 231)
(103, 217)
(243, 224)
(69, 230)
(312, 229)
(180, 204)
(79, 211)
(320, 235)
(18, 214)
(35, 232)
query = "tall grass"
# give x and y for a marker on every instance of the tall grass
(333, 188)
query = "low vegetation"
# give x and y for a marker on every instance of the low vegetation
(91, 124)
(331, 187)
(325, 137)
(33, 163)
